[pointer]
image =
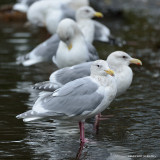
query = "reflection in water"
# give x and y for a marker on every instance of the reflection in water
(133, 129)
(59, 140)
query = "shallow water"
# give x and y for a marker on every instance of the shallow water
(132, 131)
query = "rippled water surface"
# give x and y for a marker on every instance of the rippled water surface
(134, 128)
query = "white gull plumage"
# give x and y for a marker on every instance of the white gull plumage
(118, 61)
(46, 50)
(49, 13)
(73, 48)
(77, 100)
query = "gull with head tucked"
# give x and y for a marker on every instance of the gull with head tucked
(46, 50)
(73, 48)
(77, 100)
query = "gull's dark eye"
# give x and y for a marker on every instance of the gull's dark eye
(67, 39)
(87, 11)
(98, 65)
(124, 57)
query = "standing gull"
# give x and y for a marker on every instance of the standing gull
(85, 22)
(77, 100)
(73, 48)
(118, 61)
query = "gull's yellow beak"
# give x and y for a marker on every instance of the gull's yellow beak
(136, 61)
(110, 72)
(69, 46)
(98, 14)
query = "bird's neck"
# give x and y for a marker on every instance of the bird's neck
(79, 38)
(88, 29)
(104, 80)
(119, 68)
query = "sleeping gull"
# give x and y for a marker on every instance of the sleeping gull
(73, 48)
(49, 13)
(38, 12)
(46, 50)
(77, 100)
(118, 61)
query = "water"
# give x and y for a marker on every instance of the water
(132, 131)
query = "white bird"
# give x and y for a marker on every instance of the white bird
(118, 61)
(92, 29)
(46, 50)
(73, 48)
(49, 13)
(85, 22)
(77, 100)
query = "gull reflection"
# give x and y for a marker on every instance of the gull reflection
(57, 140)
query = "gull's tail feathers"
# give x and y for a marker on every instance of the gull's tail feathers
(29, 116)
(45, 86)
(27, 61)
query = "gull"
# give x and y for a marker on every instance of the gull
(73, 48)
(49, 13)
(118, 61)
(87, 25)
(46, 50)
(77, 100)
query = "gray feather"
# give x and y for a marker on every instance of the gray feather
(74, 99)
(68, 74)
(101, 32)
(81, 92)
(63, 76)
(93, 54)
(43, 52)
(45, 86)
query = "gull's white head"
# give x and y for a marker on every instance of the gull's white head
(101, 68)
(120, 58)
(87, 13)
(67, 30)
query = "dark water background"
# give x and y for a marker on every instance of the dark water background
(134, 128)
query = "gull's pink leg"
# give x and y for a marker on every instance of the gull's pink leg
(98, 118)
(96, 124)
(104, 117)
(82, 135)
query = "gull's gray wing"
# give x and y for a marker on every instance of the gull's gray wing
(76, 98)
(43, 52)
(93, 54)
(102, 33)
(48, 48)
(68, 74)
(63, 76)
